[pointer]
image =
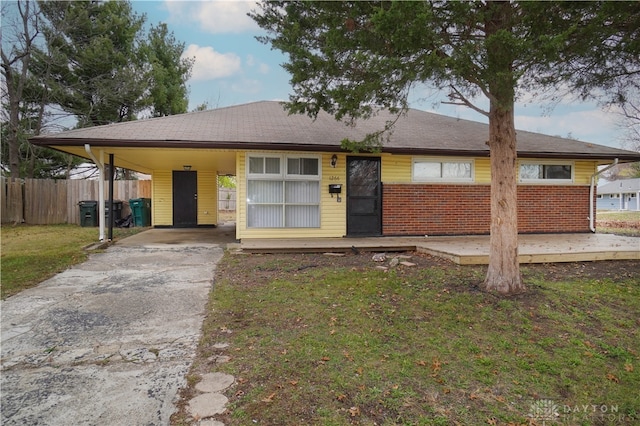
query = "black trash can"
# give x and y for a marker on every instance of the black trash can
(141, 211)
(117, 211)
(88, 213)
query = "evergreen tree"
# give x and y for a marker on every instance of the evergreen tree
(168, 73)
(90, 60)
(95, 70)
(348, 58)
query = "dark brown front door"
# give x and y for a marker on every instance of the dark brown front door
(185, 199)
(364, 196)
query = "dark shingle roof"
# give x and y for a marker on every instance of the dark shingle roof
(266, 125)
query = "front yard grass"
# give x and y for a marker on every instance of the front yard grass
(618, 222)
(319, 340)
(31, 254)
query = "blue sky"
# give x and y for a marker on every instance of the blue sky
(232, 68)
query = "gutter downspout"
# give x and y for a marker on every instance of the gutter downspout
(592, 218)
(100, 164)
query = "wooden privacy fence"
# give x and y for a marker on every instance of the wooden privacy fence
(226, 199)
(48, 201)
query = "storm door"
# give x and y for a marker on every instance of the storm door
(185, 199)
(364, 197)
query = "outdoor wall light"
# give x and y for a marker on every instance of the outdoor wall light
(334, 160)
(186, 167)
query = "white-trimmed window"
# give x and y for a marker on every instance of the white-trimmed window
(283, 191)
(546, 172)
(442, 170)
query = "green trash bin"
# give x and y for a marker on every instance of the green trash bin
(141, 211)
(88, 213)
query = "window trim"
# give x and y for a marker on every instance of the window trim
(543, 181)
(282, 177)
(288, 176)
(264, 175)
(441, 160)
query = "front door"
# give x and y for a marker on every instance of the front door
(185, 199)
(364, 197)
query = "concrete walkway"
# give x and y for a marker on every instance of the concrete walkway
(108, 342)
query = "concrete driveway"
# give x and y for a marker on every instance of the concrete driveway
(108, 342)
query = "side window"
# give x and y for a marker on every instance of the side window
(545, 172)
(426, 170)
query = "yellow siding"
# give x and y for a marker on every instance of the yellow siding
(207, 198)
(162, 198)
(482, 168)
(397, 169)
(333, 215)
(583, 172)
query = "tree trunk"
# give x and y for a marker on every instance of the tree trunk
(13, 140)
(503, 274)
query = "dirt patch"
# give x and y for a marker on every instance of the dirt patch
(260, 268)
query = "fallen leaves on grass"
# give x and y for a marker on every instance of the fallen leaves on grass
(613, 378)
(436, 365)
(269, 399)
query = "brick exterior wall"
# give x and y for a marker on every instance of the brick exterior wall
(434, 209)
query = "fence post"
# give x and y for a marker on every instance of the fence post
(12, 200)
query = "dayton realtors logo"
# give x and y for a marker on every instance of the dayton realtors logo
(543, 410)
(547, 411)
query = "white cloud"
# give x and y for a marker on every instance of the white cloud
(215, 16)
(263, 68)
(210, 64)
(252, 62)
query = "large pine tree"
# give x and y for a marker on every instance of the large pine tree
(348, 58)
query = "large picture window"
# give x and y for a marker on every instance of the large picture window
(545, 172)
(429, 169)
(283, 191)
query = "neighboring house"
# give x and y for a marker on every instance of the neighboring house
(619, 195)
(431, 177)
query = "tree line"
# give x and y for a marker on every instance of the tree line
(80, 64)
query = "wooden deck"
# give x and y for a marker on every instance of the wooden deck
(466, 250)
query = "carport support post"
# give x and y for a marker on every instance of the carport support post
(111, 177)
(100, 164)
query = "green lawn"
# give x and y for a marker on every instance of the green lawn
(619, 215)
(323, 341)
(31, 254)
